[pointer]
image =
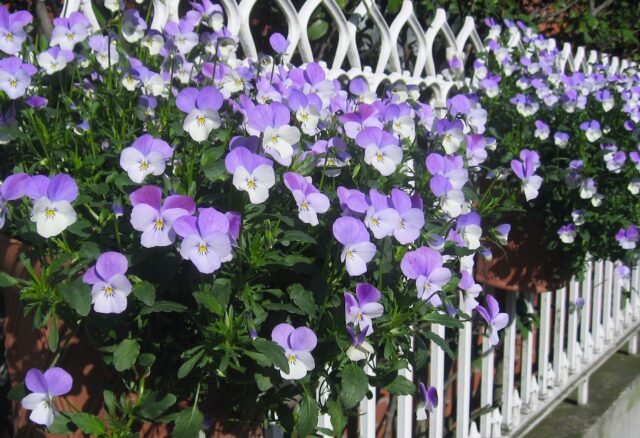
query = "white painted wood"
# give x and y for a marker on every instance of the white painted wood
(509, 364)
(583, 392)
(367, 407)
(517, 407)
(606, 306)
(464, 379)
(632, 347)
(322, 394)
(586, 292)
(543, 346)
(597, 331)
(404, 418)
(527, 360)
(572, 329)
(617, 304)
(486, 386)
(558, 334)
(436, 419)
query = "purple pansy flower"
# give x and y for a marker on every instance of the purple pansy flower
(12, 188)
(542, 130)
(279, 43)
(496, 320)
(628, 238)
(133, 25)
(12, 33)
(297, 344)
(15, 76)
(358, 250)
(502, 233)
(309, 199)
(567, 233)
(206, 240)
(381, 150)
(54, 59)
(201, 107)
(591, 130)
(154, 218)
(381, 218)
(561, 139)
(470, 290)
(110, 286)
(52, 211)
(252, 173)
(182, 35)
(278, 136)
(425, 266)
(361, 310)
(359, 349)
(428, 401)
(68, 32)
(105, 50)
(410, 216)
(53, 383)
(36, 102)
(525, 171)
(145, 156)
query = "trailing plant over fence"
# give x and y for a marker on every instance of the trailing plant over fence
(237, 228)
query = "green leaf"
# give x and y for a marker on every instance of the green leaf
(76, 294)
(308, 416)
(401, 386)
(303, 299)
(152, 406)
(297, 236)
(211, 155)
(89, 251)
(110, 401)
(338, 419)
(354, 385)
(18, 392)
(214, 170)
(7, 280)
(274, 352)
(145, 292)
(88, 423)
(186, 367)
(317, 29)
(442, 319)
(62, 425)
(163, 306)
(52, 340)
(146, 359)
(188, 423)
(440, 343)
(263, 382)
(125, 354)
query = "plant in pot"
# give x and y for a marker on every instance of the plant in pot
(569, 140)
(225, 232)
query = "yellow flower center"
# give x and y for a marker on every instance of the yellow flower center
(374, 221)
(9, 37)
(200, 120)
(379, 156)
(331, 162)
(292, 359)
(304, 117)
(144, 165)
(108, 291)
(304, 206)
(238, 82)
(251, 183)
(274, 139)
(202, 248)
(349, 253)
(70, 36)
(359, 317)
(13, 83)
(401, 225)
(158, 224)
(130, 79)
(49, 213)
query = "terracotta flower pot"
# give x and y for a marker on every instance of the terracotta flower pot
(525, 264)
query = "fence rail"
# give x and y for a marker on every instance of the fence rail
(517, 384)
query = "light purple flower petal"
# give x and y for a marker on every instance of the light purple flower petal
(111, 263)
(59, 382)
(280, 334)
(302, 339)
(35, 381)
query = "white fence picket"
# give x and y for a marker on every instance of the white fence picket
(586, 292)
(509, 361)
(436, 418)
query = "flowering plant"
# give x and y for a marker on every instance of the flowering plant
(217, 224)
(570, 139)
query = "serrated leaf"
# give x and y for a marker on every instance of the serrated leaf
(214, 170)
(303, 299)
(152, 406)
(263, 382)
(401, 386)
(88, 423)
(89, 251)
(188, 365)
(125, 354)
(354, 385)
(308, 416)
(145, 292)
(110, 401)
(7, 280)
(78, 296)
(62, 425)
(188, 423)
(163, 306)
(338, 419)
(273, 352)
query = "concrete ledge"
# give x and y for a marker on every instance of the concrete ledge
(613, 409)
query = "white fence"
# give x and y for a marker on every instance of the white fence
(570, 343)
